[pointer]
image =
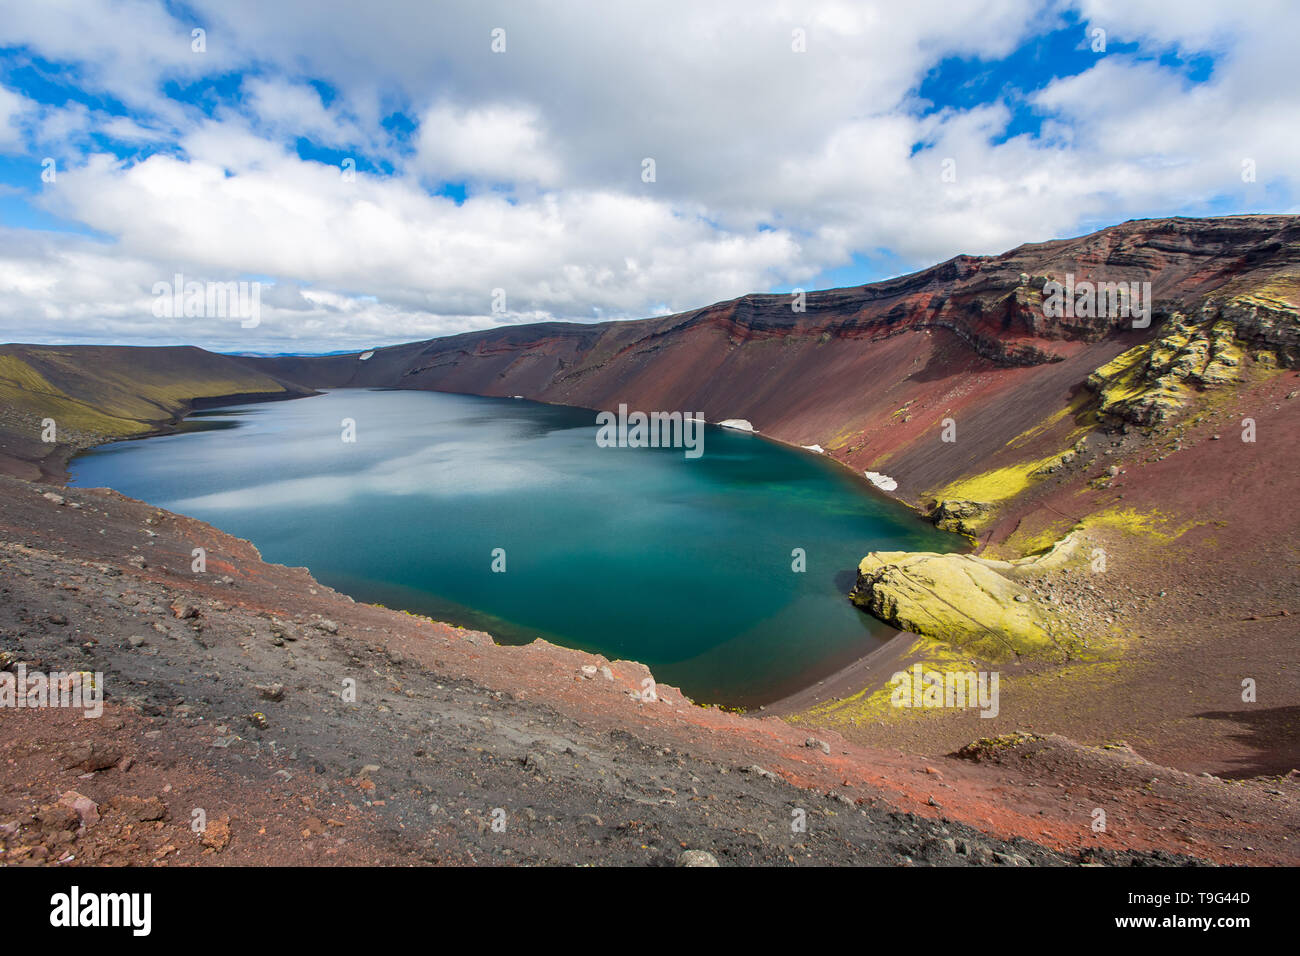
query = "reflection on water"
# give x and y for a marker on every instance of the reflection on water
(685, 565)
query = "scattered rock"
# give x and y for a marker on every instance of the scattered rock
(960, 516)
(216, 835)
(961, 599)
(975, 852)
(57, 819)
(92, 757)
(535, 762)
(935, 849)
(273, 692)
(87, 810)
(139, 809)
(696, 858)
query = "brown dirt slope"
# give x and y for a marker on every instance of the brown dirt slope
(224, 696)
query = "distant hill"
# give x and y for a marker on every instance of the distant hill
(95, 393)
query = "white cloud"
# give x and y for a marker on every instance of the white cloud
(818, 148)
(13, 107)
(290, 110)
(488, 144)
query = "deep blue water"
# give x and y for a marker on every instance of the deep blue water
(643, 554)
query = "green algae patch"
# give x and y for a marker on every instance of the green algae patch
(959, 599)
(991, 486)
(1152, 526)
(876, 705)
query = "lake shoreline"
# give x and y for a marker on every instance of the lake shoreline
(865, 675)
(784, 697)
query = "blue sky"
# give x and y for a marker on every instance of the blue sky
(390, 173)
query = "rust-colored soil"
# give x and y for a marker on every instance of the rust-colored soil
(445, 719)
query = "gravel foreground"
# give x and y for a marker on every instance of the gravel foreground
(228, 735)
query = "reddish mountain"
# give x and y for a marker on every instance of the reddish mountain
(1168, 450)
(870, 372)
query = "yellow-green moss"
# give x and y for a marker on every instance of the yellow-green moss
(959, 599)
(876, 705)
(997, 485)
(24, 388)
(1149, 383)
(1077, 407)
(1035, 542)
(1152, 526)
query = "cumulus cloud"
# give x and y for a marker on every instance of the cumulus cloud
(786, 139)
(488, 144)
(13, 107)
(289, 109)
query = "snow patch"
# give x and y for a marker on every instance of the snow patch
(817, 448)
(883, 482)
(739, 424)
(364, 356)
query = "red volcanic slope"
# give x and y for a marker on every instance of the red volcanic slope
(869, 372)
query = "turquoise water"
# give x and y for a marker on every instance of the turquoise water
(634, 553)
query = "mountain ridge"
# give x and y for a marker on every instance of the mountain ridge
(838, 374)
(1105, 440)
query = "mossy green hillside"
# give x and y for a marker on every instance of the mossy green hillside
(106, 392)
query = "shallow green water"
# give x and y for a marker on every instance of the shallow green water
(635, 553)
